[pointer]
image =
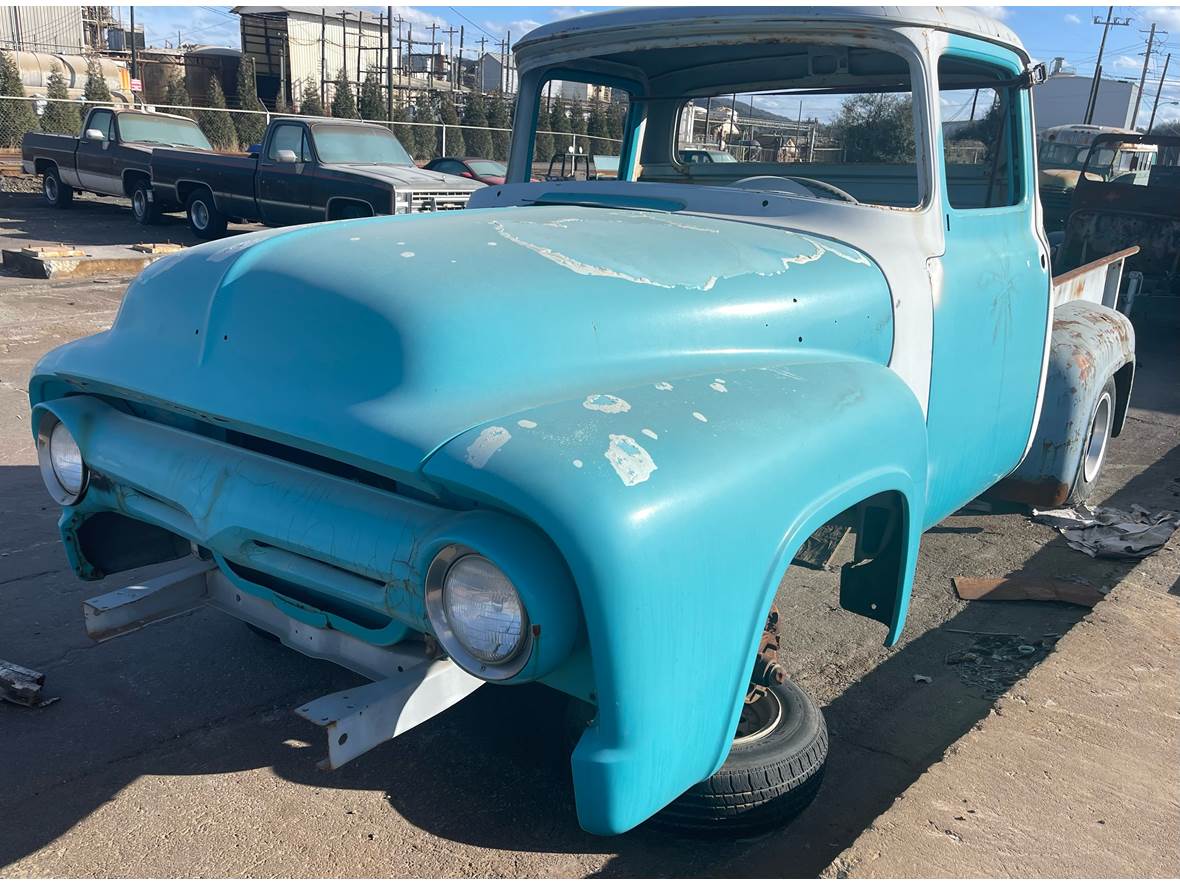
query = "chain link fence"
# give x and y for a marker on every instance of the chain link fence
(233, 130)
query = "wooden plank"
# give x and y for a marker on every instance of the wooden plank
(1027, 587)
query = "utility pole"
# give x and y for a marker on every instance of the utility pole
(134, 54)
(503, 65)
(450, 33)
(1106, 26)
(482, 42)
(459, 76)
(433, 57)
(1155, 105)
(360, 38)
(323, 52)
(389, 59)
(1143, 76)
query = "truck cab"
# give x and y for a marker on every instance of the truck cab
(576, 434)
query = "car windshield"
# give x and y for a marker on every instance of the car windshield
(722, 157)
(148, 128)
(359, 144)
(487, 167)
(1062, 156)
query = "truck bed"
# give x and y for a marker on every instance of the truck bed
(229, 176)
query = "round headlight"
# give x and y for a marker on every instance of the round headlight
(62, 469)
(477, 614)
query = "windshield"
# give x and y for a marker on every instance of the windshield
(147, 128)
(1062, 156)
(357, 144)
(722, 157)
(487, 167)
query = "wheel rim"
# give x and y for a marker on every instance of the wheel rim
(200, 214)
(50, 188)
(759, 718)
(139, 203)
(1099, 436)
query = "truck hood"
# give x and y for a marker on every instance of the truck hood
(376, 341)
(408, 176)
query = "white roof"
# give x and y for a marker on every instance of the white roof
(618, 22)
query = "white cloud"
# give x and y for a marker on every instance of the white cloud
(1072, 19)
(1126, 63)
(1167, 17)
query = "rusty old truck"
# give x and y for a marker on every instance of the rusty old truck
(576, 434)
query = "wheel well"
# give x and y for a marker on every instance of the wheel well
(338, 204)
(131, 178)
(1122, 385)
(42, 166)
(185, 189)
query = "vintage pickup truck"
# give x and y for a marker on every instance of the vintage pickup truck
(305, 170)
(577, 433)
(112, 156)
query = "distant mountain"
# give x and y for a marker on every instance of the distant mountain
(743, 109)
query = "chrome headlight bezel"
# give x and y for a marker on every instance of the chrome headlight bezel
(436, 611)
(58, 490)
(403, 202)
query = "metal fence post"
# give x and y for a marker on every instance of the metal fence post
(444, 140)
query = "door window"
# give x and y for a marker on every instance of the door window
(104, 122)
(288, 138)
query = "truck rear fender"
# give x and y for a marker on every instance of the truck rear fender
(1089, 344)
(678, 505)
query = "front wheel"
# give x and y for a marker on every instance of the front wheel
(144, 209)
(1094, 451)
(57, 194)
(773, 771)
(203, 216)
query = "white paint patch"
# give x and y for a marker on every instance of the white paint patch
(785, 373)
(407, 255)
(488, 442)
(604, 402)
(629, 459)
(354, 239)
(650, 433)
(663, 385)
(401, 242)
(526, 423)
(719, 386)
(490, 243)
(578, 463)
(700, 417)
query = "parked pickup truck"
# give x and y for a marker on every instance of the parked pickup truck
(305, 170)
(576, 434)
(112, 156)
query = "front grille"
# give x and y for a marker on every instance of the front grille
(438, 201)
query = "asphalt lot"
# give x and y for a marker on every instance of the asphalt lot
(174, 751)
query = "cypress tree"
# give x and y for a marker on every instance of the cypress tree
(250, 127)
(372, 103)
(96, 90)
(215, 122)
(475, 114)
(60, 117)
(16, 114)
(401, 131)
(498, 121)
(543, 146)
(560, 123)
(309, 103)
(343, 101)
(425, 137)
(176, 94)
(455, 136)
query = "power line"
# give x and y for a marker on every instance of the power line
(473, 24)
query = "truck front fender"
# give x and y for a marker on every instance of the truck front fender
(1090, 343)
(678, 505)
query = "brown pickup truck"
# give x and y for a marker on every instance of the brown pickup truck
(112, 156)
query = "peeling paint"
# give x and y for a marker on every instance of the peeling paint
(719, 386)
(605, 402)
(629, 459)
(578, 463)
(526, 423)
(407, 255)
(663, 385)
(486, 444)
(650, 433)
(700, 417)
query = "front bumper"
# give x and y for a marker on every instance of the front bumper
(325, 550)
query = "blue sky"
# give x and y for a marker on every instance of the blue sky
(1047, 31)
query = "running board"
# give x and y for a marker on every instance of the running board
(409, 685)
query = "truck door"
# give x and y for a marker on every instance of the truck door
(284, 191)
(96, 157)
(991, 285)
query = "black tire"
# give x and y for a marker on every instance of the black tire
(204, 218)
(144, 209)
(57, 194)
(1093, 455)
(765, 781)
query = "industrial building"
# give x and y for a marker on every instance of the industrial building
(1062, 99)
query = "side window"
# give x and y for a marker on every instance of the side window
(450, 167)
(104, 122)
(980, 138)
(305, 154)
(286, 138)
(579, 132)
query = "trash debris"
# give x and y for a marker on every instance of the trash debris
(1017, 587)
(1110, 533)
(1026, 650)
(20, 685)
(995, 662)
(925, 680)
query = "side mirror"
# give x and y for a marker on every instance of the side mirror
(94, 135)
(286, 156)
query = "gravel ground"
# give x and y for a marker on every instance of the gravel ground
(174, 751)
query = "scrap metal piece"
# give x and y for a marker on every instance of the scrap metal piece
(359, 719)
(130, 608)
(1019, 587)
(20, 685)
(157, 248)
(1111, 533)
